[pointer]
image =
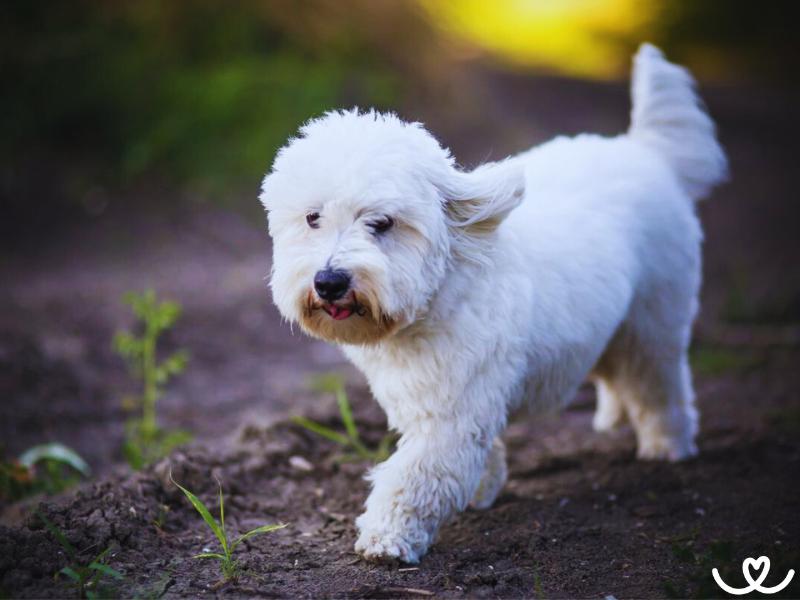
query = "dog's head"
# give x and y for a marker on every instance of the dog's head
(367, 215)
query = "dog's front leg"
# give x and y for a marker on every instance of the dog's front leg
(434, 473)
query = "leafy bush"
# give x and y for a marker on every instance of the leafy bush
(201, 93)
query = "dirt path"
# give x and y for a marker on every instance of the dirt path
(579, 517)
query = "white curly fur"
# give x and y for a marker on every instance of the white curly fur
(511, 283)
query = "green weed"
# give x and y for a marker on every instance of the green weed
(86, 578)
(538, 590)
(698, 582)
(715, 360)
(145, 441)
(350, 441)
(49, 468)
(228, 564)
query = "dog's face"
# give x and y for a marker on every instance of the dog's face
(361, 224)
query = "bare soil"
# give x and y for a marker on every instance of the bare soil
(580, 517)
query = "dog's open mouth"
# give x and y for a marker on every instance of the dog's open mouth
(343, 309)
(336, 312)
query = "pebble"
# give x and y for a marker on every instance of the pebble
(300, 463)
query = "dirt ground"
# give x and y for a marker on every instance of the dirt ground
(579, 516)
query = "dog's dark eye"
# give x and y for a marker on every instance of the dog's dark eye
(312, 219)
(381, 225)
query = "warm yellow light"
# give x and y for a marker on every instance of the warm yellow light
(590, 38)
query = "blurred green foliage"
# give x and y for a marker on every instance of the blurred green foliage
(200, 92)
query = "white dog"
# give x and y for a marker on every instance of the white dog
(461, 295)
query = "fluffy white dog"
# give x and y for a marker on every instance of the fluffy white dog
(461, 295)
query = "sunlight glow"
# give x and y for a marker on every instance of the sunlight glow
(586, 38)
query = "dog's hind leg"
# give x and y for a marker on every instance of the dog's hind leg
(494, 477)
(610, 412)
(644, 377)
(606, 375)
(660, 404)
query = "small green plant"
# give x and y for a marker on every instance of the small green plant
(228, 565)
(350, 440)
(48, 468)
(145, 441)
(87, 578)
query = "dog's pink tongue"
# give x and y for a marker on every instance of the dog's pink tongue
(339, 313)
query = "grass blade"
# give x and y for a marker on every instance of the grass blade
(347, 414)
(256, 531)
(222, 513)
(99, 558)
(201, 508)
(384, 448)
(210, 555)
(57, 452)
(70, 572)
(56, 533)
(106, 570)
(325, 432)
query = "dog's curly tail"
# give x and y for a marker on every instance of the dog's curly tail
(669, 117)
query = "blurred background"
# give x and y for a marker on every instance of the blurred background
(135, 134)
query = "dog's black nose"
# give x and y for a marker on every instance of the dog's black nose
(331, 285)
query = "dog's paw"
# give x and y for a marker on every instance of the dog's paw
(608, 419)
(484, 499)
(385, 547)
(664, 448)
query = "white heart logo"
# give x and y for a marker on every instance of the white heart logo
(748, 567)
(762, 562)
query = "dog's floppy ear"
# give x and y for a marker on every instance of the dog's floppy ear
(476, 202)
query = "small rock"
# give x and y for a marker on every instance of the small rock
(300, 463)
